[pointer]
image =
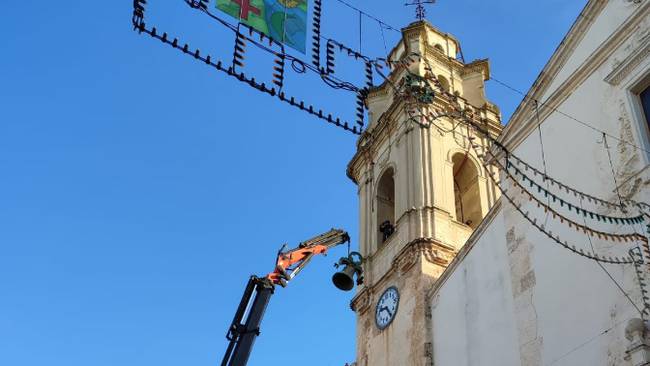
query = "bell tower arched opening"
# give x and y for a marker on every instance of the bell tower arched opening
(467, 197)
(409, 228)
(444, 83)
(385, 206)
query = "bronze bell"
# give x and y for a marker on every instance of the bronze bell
(344, 280)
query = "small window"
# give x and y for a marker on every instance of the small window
(645, 102)
(385, 206)
(439, 48)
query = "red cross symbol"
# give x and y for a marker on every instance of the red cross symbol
(245, 8)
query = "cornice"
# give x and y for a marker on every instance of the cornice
(432, 52)
(481, 66)
(524, 121)
(622, 70)
(423, 24)
(478, 66)
(371, 139)
(413, 210)
(429, 249)
(558, 60)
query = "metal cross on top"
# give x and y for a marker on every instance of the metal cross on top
(420, 10)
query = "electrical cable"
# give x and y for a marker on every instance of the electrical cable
(611, 165)
(383, 37)
(238, 56)
(369, 16)
(627, 296)
(526, 97)
(360, 31)
(556, 110)
(556, 239)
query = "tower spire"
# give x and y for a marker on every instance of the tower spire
(420, 10)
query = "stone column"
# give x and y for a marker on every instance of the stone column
(638, 351)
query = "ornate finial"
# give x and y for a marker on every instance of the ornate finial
(420, 10)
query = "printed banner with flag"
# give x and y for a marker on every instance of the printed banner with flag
(283, 20)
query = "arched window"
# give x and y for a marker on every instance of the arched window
(385, 206)
(466, 191)
(439, 48)
(444, 83)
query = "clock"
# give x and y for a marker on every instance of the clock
(386, 307)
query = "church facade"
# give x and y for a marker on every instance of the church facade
(516, 245)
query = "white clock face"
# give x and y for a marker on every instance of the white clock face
(386, 307)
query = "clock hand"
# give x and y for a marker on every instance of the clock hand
(390, 313)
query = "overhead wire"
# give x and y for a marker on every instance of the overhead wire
(337, 84)
(297, 64)
(541, 228)
(527, 99)
(525, 95)
(620, 288)
(383, 37)
(611, 165)
(369, 15)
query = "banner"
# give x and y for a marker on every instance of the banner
(285, 21)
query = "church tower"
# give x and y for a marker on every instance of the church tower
(422, 192)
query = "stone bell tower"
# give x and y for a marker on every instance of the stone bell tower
(422, 192)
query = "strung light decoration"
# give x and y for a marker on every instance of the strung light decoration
(318, 9)
(586, 213)
(477, 126)
(244, 38)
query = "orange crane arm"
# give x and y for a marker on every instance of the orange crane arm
(245, 326)
(290, 263)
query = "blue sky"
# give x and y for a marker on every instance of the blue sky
(140, 189)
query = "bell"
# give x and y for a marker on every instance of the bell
(344, 280)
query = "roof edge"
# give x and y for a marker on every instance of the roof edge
(557, 61)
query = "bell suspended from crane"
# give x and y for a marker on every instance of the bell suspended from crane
(245, 327)
(344, 279)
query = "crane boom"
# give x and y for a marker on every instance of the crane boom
(245, 326)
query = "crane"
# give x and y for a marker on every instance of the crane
(245, 326)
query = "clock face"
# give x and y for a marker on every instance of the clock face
(386, 307)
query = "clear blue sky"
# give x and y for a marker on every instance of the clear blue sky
(140, 189)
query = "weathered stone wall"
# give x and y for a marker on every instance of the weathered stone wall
(427, 233)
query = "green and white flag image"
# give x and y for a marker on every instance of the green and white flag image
(283, 20)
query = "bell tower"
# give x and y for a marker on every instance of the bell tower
(422, 191)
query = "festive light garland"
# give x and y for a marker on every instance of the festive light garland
(637, 254)
(281, 58)
(568, 189)
(590, 198)
(586, 213)
(572, 224)
(316, 37)
(577, 193)
(218, 65)
(555, 238)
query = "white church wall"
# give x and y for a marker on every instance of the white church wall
(556, 307)
(472, 313)
(606, 24)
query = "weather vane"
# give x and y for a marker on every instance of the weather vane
(420, 10)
